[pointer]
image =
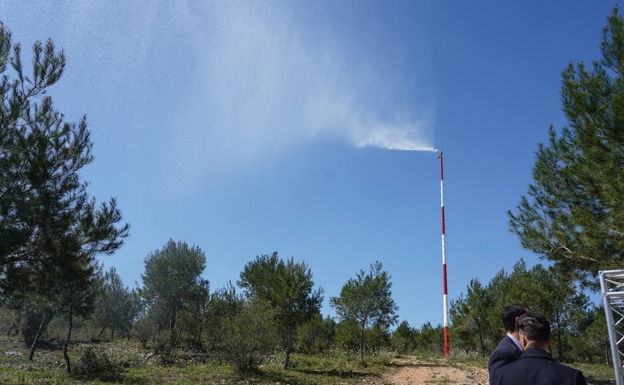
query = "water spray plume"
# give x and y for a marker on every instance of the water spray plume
(277, 85)
(262, 78)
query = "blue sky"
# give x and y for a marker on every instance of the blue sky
(249, 127)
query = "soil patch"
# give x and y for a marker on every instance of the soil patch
(410, 371)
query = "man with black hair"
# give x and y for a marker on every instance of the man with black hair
(509, 349)
(535, 365)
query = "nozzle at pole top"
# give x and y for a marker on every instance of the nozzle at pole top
(436, 150)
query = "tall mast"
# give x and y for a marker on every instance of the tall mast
(444, 286)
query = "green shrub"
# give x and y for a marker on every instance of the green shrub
(144, 330)
(95, 360)
(249, 336)
(164, 346)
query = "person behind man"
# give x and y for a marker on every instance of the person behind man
(509, 349)
(535, 365)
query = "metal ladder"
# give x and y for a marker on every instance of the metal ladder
(612, 287)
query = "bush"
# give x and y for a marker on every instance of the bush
(144, 330)
(30, 320)
(9, 322)
(164, 345)
(95, 361)
(249, 336)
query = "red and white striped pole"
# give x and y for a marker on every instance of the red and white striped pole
(444, 287)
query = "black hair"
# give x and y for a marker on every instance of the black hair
(534, 327)
(510, 313)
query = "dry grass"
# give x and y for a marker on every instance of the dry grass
(126, 362)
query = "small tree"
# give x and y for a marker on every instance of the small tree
(471, 315)
(193, 317)
(172, 278)
(223, 304)
(596, 336)
(71, 291)
(76, 296)
(403, 338)
(287, 287)
(367, 300)
(348, 335)
(316, 334)
(248, 334)
(34, 315)
(116, 306)
(71, 288)
(430, 339)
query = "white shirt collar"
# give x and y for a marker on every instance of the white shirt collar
(515, 340)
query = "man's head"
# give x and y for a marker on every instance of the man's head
(534, 331)
(511, 314)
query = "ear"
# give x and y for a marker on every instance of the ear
(523, 342)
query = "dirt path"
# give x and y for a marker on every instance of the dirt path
(409, 371)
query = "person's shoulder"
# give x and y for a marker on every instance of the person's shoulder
(579, 378)
(569, 373)
(504, 343)
(508, 373)
(544, 361)
(501, 346)
(509, 346)
(505, 340)
(503, 354)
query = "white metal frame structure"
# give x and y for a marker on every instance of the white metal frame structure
(612, 286)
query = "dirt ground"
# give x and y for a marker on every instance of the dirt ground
(409, 371)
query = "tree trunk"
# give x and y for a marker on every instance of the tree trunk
(559, 349)
(362, 343)
(175, 338)
(65, 356)
(172, 319)
(34, 344)
(200, 343)
(288, 348)
(112, 332)
(482, 344)
(102, 330)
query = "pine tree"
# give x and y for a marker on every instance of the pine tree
(574, 212)
(367, 301)
(172, 279)
(287, 287)
(470, 315)
(48, 221)
(116, 306)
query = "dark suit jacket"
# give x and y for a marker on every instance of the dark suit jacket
(506, 352)
(536, 366)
